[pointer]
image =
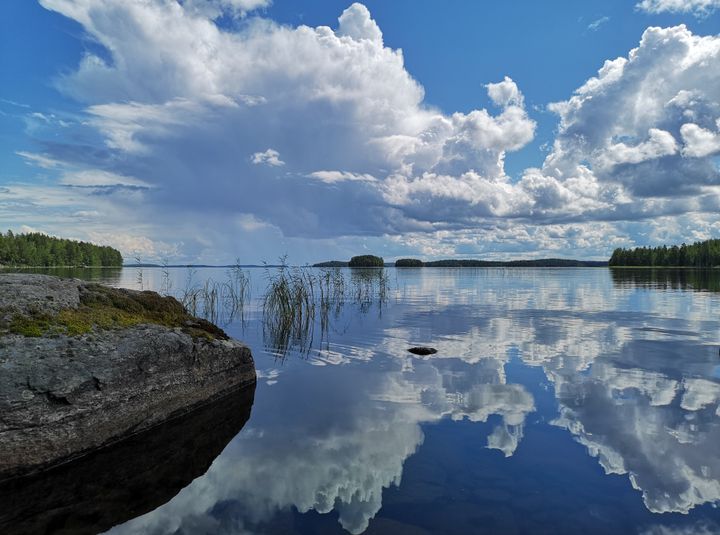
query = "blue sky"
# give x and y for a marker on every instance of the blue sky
(212, 129)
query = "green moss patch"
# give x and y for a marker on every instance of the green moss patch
(30, 326)
(109, 308)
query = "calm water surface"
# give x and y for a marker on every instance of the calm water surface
(560, 401)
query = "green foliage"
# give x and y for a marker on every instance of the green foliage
(36, 249)
(408, 262)
(367, 260)
(700, 254)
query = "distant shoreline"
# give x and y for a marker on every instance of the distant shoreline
(339, 264)
(465, 263)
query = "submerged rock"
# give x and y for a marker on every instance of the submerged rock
(83, 366)
(422, 350)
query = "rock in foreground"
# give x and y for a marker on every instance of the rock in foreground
(126, 479)
(83, 366)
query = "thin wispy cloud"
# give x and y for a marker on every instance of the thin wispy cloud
(594, 25)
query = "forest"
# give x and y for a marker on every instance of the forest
(36, 249)
(699, 254)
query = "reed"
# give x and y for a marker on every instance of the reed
(165, 282)
(331, 285)
(296, 301)
(289, 308)
(189, 297)
(235, 292)
(370, 286)
(139, 275)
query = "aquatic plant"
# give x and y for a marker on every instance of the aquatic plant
(236, 291)
(139, 274)
(369, 286)
(289, 307)
(296, 301)
(331, 284)
(166, 283)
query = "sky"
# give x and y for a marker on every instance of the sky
(204, 131)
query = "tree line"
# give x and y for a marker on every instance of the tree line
(699, 254)
(36, 249)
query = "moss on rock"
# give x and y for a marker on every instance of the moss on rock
(104, 308)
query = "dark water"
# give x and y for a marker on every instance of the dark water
(560, 401)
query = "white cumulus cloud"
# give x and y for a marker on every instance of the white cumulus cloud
(697, 7)
(200, 115)
(269, 157)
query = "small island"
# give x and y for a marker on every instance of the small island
(366, 261)
(409, 263)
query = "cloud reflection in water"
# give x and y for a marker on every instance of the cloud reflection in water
(633, 371)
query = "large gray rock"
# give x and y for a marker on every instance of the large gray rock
(63, 396)
(126, 479)
(28, 294)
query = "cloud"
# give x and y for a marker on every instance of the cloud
(595, 25)
(621, 130)
(215, 8)
(637, 390)
(697, 528)
(659, 143)
(340, 457)
(340, 176)
(189, 110)
(700, 142)
(100, 179)
(269, 157)
(40, 160)
(356, 23)
(699, 8)
(505, 93)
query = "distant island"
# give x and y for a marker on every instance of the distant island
(35, 249)
(415, 263)
(366, 261)
(408, 262)
(702, 254)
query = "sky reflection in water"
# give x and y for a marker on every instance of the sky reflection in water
(559, 401)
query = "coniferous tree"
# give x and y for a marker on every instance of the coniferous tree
(36, 249)
(699, 254)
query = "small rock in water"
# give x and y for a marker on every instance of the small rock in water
(422, 350)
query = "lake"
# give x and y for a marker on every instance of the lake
(559, 401)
